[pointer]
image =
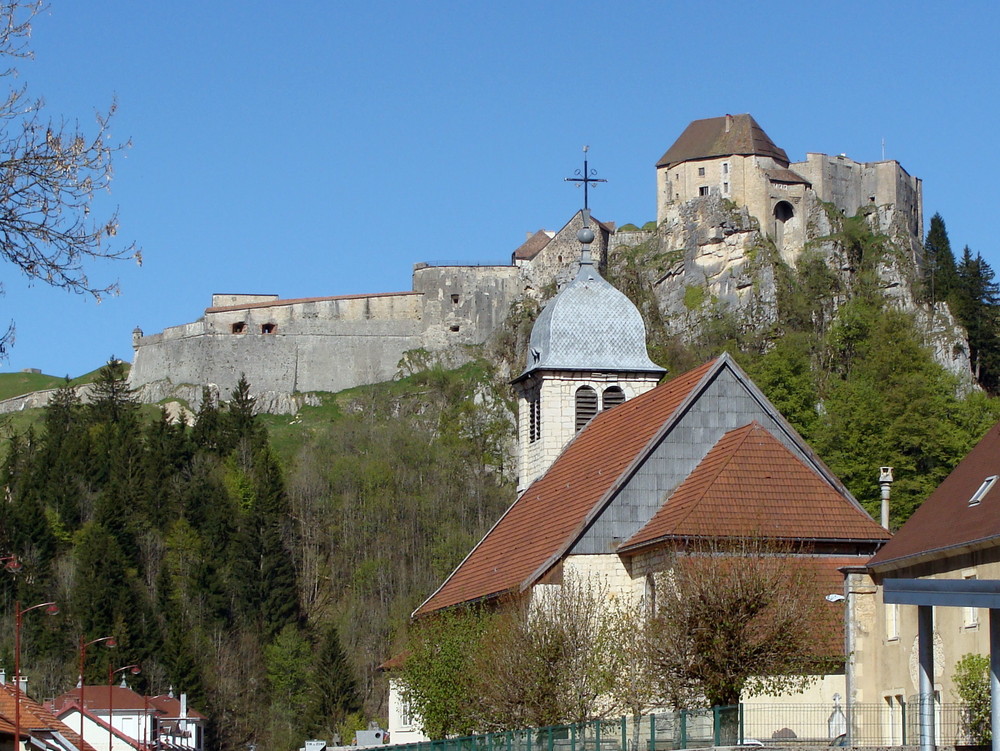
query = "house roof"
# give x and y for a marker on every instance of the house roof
(98, 698)
(532, 246)
(705, 139)
(36, 718)
(945, 524)
(530, 532)
(749, 483)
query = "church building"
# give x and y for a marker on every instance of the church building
(618, 474)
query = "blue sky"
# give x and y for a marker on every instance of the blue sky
(310, 148)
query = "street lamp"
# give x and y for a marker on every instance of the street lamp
(51, 609)
(134, 670)
(109, 641)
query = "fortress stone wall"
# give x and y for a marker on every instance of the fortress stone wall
(290, 347)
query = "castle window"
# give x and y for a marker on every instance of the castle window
(586, 406)
(725, 168)
(703, 190)
(701, 172)
(725, 189)
(534, 417)
(268, 328)
(613, 396)
(454, 327)
(239, 327)
(454, 299)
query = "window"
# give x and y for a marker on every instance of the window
(405, 714)
(454, 327)
(239, 327)
(613, 396)
(725, 189)
(586, 406)
(892, 622)
(725, 168)
(454, 299)
(983, 490)
(701, 172)
(970, 616)
(268, 328)
(534, 417)
(703, 190)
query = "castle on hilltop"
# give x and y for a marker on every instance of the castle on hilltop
(294, 346)
(732, 157)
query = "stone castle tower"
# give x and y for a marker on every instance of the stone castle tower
(587, 353)
(733, 158)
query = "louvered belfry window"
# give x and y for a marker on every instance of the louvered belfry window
(534, 417)
(613, 396)
(586, 405)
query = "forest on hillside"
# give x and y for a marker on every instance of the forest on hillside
(267, 565)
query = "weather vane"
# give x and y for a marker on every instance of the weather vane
(585, 176)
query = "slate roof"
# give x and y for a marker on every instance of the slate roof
(36, 718)
(589, 325)
(749, 483)
(706, 139)
(945, 524)
(529, 535)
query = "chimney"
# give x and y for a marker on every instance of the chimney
(729, 122)
(21, 681)
(184, 704)
(3, 676)
(885, 482)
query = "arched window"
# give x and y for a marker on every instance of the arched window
(613, 396)
(586, 405)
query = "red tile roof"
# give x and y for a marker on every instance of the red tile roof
(945, 523)
(97, 699)
(750, 484)
(529, 538)
(705, 139)
(35, 717)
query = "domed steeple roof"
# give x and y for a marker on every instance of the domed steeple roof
(589, 326)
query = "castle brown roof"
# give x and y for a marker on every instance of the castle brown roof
(786, 176)
(945, 523)
(541, 524)
(299, 300)
(750, 484)
(532, 246)
(705, 139)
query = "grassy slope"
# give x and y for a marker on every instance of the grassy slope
(16, 384)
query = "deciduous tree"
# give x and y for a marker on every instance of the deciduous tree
(50, 171)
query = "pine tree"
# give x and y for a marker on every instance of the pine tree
(333, 690)
(939, 262)
(976, 303)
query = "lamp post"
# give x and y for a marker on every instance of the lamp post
(51, 609)
(134, 670)
(108, 641)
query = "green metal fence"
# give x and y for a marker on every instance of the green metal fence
(756, 724)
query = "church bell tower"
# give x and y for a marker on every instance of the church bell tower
(587, 353)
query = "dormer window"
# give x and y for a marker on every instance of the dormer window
(988, 483)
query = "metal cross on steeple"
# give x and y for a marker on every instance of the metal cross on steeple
(586, 176)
